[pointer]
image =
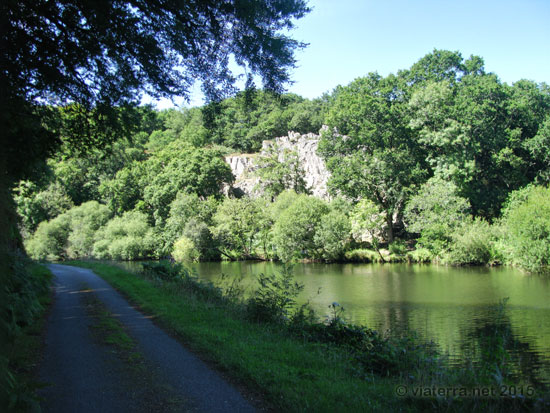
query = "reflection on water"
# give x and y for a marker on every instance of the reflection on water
(452, 306)
(491, 340)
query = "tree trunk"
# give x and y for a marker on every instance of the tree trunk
(389, 223)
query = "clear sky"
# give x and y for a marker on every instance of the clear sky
(350, 38)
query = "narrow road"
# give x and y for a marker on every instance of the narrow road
(85, 376)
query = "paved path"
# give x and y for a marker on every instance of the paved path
(86, 377)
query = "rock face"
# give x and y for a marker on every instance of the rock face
(243, 167)
(315, 172)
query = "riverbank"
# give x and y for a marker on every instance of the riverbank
(296, 369)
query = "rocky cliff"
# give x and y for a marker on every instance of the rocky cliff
(305, 146)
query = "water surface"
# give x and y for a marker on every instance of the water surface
(451, 306)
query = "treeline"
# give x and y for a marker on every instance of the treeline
(441, 161)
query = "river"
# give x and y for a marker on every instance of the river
(448, 305)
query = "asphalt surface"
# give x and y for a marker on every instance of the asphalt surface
(85, 376)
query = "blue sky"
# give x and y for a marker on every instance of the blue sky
(350, 38)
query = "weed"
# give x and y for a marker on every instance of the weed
(276, 297)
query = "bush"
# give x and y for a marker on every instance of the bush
(49, 242)
(275, 298)
(294, 231)
(86, 219)
(128, 237)
(526, 224)
(70, 235)
(398, 247)
(185, 250)
(473, 243)
(420, 255)
(362, 255)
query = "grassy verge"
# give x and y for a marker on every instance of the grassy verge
(24, 352)
(293, 373)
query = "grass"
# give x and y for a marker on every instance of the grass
(292, 374)
(110, 331)
(25, 351)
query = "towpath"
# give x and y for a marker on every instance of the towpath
(84, 375)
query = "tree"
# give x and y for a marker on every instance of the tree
(190, 216)
(526, 222)
(185, 251)
(82, 176)
(243, 122)
(279, 170)
(482, 135)
(70, 234)
(436, 212)
(236, 224)
(294, 231)
(107, 53)
(538, 148)
(369, 148)
(123, 192)
(202, 239)
(443, 66)
(367, 218)
(35, 206)
(182, 168)
(100, 56)
(334, 232)
(128, 237)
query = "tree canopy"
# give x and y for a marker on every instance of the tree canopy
(103, 54)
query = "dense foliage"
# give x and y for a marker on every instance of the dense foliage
(422, 164)
(526, 223)
(96, 57)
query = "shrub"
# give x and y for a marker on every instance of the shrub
(185, 250)
(70, 235)
(526, 224)
(398, 247)
(420, 255)
(274, 300)
(362, 255)
(50, 239)
(128, 237)
(86, 219)
(472, 244)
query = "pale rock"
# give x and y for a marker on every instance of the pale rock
(316, 174)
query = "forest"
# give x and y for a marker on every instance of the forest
(441, 162)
